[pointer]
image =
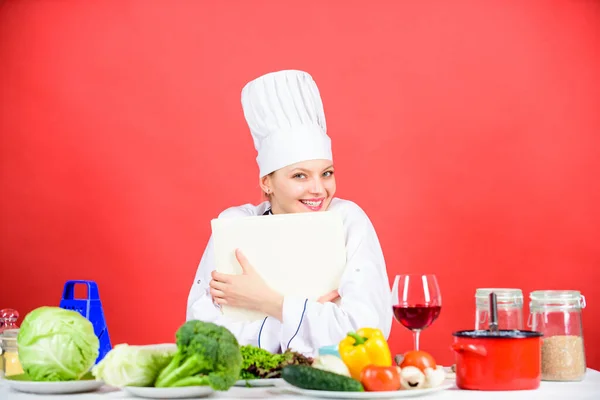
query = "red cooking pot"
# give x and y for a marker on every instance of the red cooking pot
(498, 359)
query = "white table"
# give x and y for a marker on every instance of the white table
(589, 388)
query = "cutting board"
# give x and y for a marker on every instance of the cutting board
(301, 254)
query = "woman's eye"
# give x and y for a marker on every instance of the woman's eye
(299, 175)
(328, 173)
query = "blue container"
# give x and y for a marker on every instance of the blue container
(331, 350)
(90, 308)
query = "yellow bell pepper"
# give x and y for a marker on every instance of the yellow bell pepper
(367, 346)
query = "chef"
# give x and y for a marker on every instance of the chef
(285, 115)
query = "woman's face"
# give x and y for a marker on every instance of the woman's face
(302, 187)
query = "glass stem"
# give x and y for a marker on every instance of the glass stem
(416, 334)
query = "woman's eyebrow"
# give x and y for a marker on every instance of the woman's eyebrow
(306, 170)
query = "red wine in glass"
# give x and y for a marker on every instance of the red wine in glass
(419, 316)
(417, 302)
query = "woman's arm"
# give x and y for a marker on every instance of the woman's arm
(364, 290)
(263, 333)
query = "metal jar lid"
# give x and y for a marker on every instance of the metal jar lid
(556, 299)
(8, 339)
(506, 297)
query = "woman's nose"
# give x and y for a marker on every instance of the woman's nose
(317, 186)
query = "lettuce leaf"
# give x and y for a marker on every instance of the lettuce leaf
(260, 364)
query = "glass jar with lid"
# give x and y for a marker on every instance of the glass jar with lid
(9, 358)
(510, 308)
(557, 314)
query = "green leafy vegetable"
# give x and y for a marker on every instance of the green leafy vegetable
(207, 354)
(261, 364)
(127, 365)
(55, 344)
(257, 360)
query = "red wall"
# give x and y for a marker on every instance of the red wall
(468, 131)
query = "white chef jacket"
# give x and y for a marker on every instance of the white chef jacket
(308, 325)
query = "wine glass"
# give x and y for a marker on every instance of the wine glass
(417, 302)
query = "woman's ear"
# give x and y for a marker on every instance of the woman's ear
(265, 184)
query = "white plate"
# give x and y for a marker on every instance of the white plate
(258, 382)
(169, 393)
(395, 394)
(82, 386)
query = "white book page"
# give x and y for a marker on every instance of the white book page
(301, 254)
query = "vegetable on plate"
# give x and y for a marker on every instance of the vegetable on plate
(418, 358)
(376, 378)
(126, 365)
(365, 364)
(207, 355)
(367, 346)
(418, 370)
(56, 344)
(307, 377)
(261, 364)
(331, 363)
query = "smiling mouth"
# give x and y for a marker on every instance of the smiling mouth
(312, 203)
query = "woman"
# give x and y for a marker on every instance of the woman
(286, 119)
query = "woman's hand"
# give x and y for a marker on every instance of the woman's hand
(247, 290)
(329, 297)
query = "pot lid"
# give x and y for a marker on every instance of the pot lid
(500, 334)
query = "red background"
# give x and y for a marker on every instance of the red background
(468, 131)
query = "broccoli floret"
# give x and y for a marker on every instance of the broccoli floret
(207, 354)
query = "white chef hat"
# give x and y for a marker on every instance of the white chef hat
(285, 115)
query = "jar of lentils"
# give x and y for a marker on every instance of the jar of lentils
(557, 314)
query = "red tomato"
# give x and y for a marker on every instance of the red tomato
(419, 359)
(376, 378)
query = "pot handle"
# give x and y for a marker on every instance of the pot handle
(470, 348)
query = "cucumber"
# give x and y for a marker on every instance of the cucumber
(307, 377)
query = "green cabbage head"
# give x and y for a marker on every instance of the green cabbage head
(55, 344)
(127, 365)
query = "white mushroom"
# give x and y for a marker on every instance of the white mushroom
(412, 378)
(434, 377)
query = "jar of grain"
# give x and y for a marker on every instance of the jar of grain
(9, 356)
(510, 308)
(557, 314)
(9, 330)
